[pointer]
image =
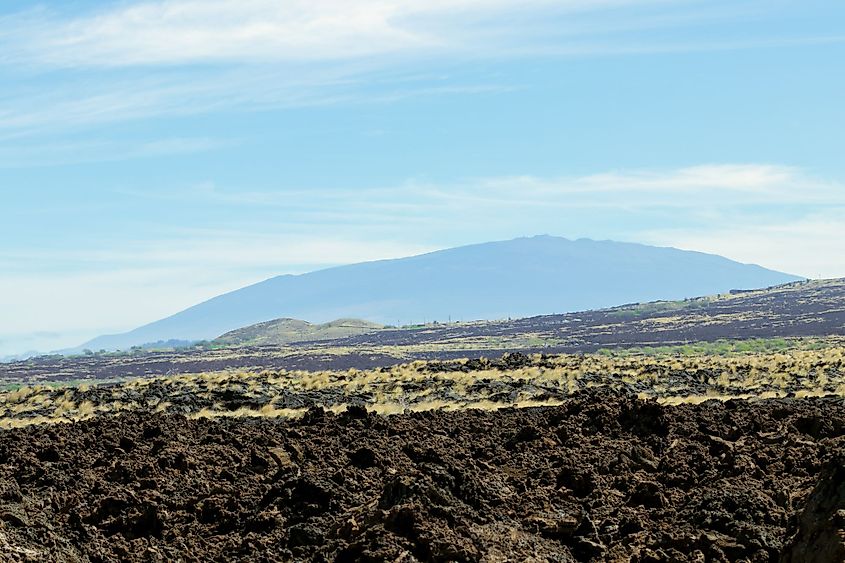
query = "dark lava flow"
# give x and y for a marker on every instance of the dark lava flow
(603, 477)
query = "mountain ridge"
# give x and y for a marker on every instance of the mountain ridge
(516, 278)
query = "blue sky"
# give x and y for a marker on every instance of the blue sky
(155, 154)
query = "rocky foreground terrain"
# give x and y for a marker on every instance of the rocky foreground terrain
(602, 477)
(514, 380)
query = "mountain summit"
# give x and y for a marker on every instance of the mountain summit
(516, 278)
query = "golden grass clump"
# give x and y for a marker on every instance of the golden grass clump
(245, 412)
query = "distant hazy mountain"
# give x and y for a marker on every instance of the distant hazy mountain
(517, 278)
(19, 357)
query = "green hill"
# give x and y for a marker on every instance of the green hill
(286, 331)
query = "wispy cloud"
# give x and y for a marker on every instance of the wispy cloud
(751, 212)
(364, 224)
(219, 250)
(693, 187)
(811, 245)
(109, 98)
(714, 185)
(147, 59)
(178, 32)
(82, 151)
(215, 31)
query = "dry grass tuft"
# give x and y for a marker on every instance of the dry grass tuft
(414, 387)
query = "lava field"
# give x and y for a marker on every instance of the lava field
(603, 477)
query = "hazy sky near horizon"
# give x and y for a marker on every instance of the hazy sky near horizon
(154, 154)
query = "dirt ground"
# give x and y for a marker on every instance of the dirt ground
(604, 477)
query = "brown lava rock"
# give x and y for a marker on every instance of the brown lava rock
(603, 477)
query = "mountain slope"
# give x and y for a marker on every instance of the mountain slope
(517, 278)
(811, 309)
